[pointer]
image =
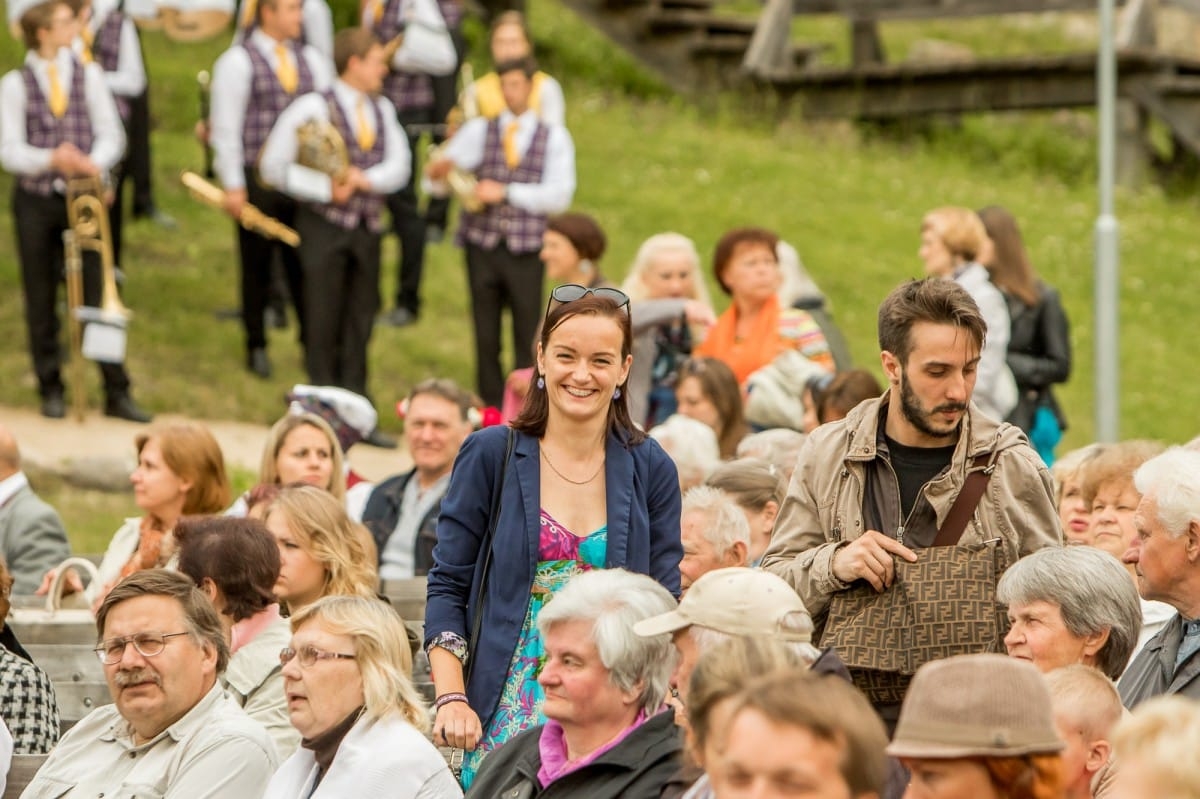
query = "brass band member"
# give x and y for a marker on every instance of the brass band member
(426, 50)
(526, 172)
(256, 80)
(58, 121)
(316, 25)
(108, 37)
(340, 219)
(510, 39)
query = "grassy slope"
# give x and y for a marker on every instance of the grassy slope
(647, 163)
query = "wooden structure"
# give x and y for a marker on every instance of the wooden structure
(695, 47)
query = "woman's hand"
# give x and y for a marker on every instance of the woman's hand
(71, 583)
(698, 313)
(457, 725)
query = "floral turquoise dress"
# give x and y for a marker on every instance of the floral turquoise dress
(561, 555)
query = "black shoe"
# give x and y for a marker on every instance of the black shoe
(228, 314)
(380, 439)
(400, 317)
(160, 218)
(54, 406)
(275, 318)
(434, 234)
(258, 362)
(123, 407)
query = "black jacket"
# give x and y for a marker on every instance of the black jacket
(636, 768)
(383, 511)
(1039, 354)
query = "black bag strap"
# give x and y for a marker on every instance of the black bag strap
(965, 503)
(486, 551)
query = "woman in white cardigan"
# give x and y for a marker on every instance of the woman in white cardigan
(349, 694)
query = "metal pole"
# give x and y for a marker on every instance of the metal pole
(1107, 234)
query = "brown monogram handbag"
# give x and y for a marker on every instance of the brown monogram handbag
(942, 605)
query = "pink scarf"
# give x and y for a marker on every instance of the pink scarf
(552, 745)
(247, 630)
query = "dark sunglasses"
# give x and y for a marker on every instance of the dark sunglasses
(569, 292)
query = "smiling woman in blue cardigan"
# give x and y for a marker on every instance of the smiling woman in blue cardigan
(580, 487)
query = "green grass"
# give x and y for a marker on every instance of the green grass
(647, 162)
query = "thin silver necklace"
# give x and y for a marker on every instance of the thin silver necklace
(554, 469)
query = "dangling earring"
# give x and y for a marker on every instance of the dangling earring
(617, 394)
(586, 267)
(541, 382)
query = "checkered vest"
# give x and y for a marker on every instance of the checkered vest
(408, 91)
(521, 229)
(363, 207)
(43, 129)
(106, 50)
(453, 12)
(268, 99)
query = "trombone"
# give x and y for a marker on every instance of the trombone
(96, 334)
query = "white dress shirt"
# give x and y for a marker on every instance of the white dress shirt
(278, 167)
(10, 485)
(427, 47)
(553, 194)
(317, 21)
(18, 156)
(129, 78)
(232, 76)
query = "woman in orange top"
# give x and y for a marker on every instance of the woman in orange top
(755, 329)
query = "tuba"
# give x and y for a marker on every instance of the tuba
(321, 147)
(96, 334)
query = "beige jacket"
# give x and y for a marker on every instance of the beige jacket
(823, 509)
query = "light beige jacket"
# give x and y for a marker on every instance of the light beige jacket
(823, 509)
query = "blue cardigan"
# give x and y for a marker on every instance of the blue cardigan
(643, 537)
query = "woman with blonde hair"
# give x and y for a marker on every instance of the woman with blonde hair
(671, 312)
(347, 674)
(180, 472)
(302, 448)
(321, 551)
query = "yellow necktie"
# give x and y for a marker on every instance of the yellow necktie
(58, 98)
(286, 70)
(378, 13)
(89, 39)
(512, 156)
(249, 10)
(364, 132)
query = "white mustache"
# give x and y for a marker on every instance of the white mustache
(124, 679)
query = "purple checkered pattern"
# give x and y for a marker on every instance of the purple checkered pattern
(521, 229)
(362, 207)
(408, 91)
(268, 99)
(27, 705)
(43, 129)
(106, 50)
(452, 11)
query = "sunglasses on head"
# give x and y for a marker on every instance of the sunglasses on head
(569, 292)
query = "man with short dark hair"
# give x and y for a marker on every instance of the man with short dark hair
(172, 730)
(526, 171)
(872, 487)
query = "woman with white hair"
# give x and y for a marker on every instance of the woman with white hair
(671, 312)
(608, 733)
(693, 447)
(349, 695)
(1072, 605)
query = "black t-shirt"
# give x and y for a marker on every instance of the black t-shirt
(916, 466)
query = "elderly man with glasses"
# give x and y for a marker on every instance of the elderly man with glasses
(172, 730)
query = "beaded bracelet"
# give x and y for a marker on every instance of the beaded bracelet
(446, 699)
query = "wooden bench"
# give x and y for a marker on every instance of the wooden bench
(406, 596)
(20, 774)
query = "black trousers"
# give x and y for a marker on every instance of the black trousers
(40, 222)
(138, 166)
(408, 221)
(341, 290)
(499, 278)
(256, 253)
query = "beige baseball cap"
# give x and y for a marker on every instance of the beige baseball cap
(735, 601)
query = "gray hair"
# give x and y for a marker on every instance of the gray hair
(707, 639)
(614, 600)
(1093, 591)
(691, 444)
(725, 523)
(655, 246)
(779, 445)
(1173, 480)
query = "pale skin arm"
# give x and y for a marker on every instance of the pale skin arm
(456, 723)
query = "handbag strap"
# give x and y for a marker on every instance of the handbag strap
(486, 549)
(965, 503)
